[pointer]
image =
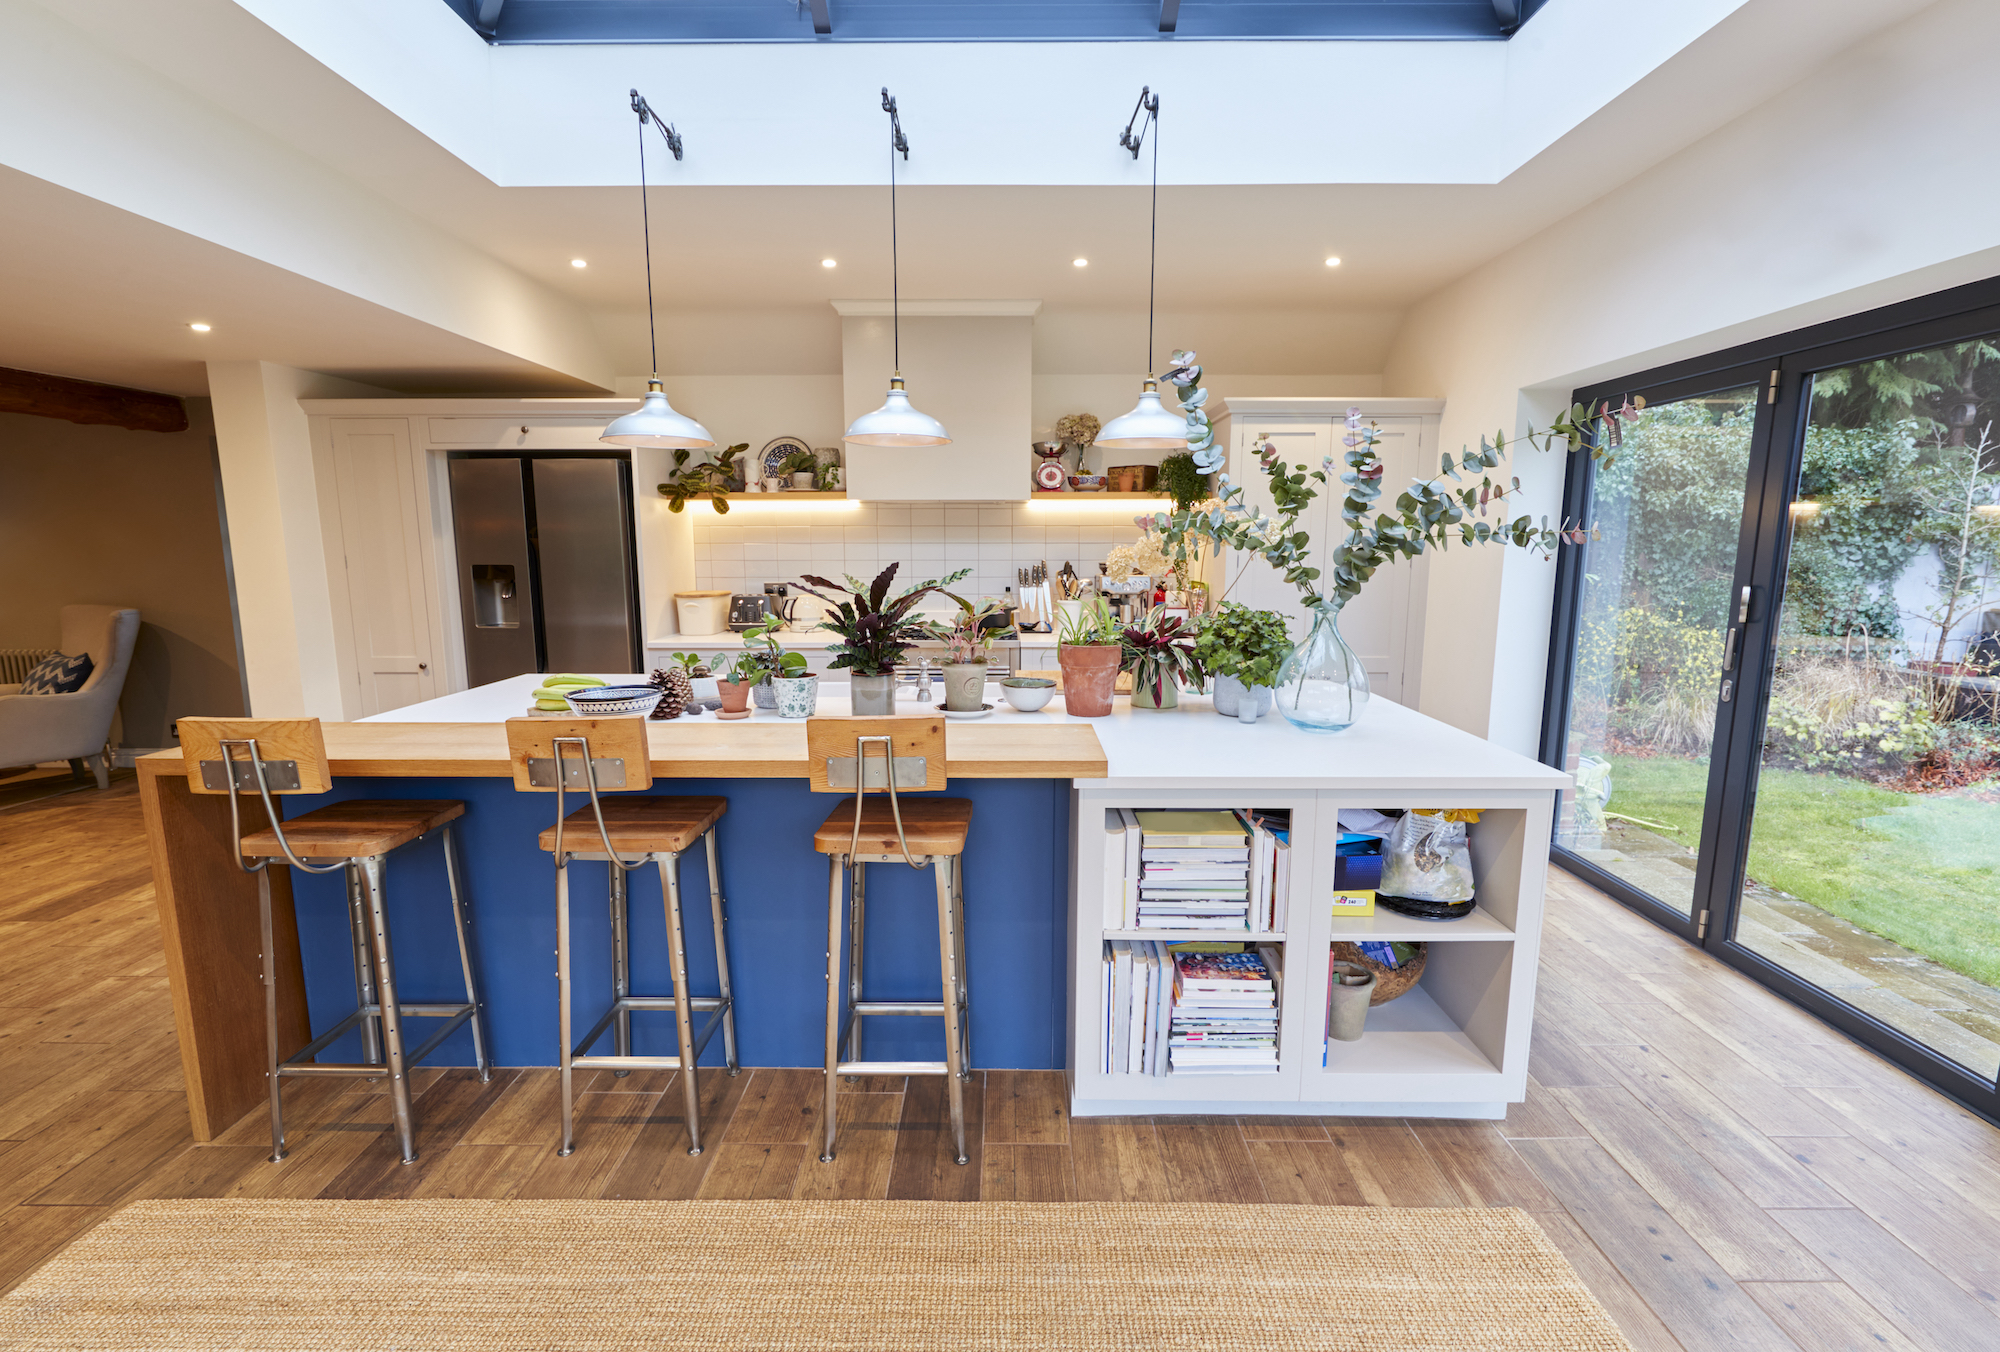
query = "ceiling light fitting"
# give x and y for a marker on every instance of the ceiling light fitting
(1148, 427)
(578, 263)
(1079, 262)
(896, 423)
(654, 423)
(1333, 262)
(827, 263)
(199, 328)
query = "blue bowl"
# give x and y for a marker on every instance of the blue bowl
(612, 701)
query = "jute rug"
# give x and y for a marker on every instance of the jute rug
(866, 1276)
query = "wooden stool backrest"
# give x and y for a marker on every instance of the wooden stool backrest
(621, 739)
(834, 739)
(299, 740)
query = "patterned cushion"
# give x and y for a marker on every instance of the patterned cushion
(58, 675)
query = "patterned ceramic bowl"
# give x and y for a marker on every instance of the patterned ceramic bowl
(1086, 483)
(612, 701)
(1028, 693)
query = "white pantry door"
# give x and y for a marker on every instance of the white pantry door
(381, 537)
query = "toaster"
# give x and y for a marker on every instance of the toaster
(747, 610)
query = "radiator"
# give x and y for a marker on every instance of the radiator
(16, 663)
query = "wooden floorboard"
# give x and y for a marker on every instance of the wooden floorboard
(1721, 1169)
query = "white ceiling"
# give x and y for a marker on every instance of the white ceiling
(101, 281)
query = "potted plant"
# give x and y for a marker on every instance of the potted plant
(1242, 648)
(739, 674)
(700, 678)
(799, 467)
(875, 630)
(1089, 652)
(968, 652)
(1182, 481)
(710, 479)
(1159, 652)
(773, 661)
(1321, 686)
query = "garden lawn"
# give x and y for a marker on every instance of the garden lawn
(1921, 870)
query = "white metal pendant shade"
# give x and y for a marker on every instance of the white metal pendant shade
(1149, 427)
(896, 423)
(654, 423)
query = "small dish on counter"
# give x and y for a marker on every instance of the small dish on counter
(981, 712)
(1029, 694)
(613, 701)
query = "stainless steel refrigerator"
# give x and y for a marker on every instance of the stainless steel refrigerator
(547, 571)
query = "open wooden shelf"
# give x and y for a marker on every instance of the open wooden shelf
(839, 493)
(1099, 497)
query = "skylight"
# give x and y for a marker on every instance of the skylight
(593, 21)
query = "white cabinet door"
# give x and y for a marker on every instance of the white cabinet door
(1376, 624)
(1252, 581)
(381, 542)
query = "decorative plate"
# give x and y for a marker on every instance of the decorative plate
(774, 453)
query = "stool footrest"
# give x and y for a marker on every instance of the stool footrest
(717, 1009)
(892, 1068)
(699, 1003)
(625, 1062)
(933, 1008)
(458, 1014)
(365, 1071)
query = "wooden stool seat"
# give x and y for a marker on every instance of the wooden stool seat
(931, 825)
(648, 825)
(358, 829)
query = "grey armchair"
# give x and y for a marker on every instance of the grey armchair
(76, 726)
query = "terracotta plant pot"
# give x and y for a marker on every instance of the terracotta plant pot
(1090, 671)
(735, 697)
(964, 686)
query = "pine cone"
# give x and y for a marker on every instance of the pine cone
(676, 690)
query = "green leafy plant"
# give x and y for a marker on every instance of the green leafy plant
(691, 663)
(1087, 624)
(875, 628)
(798, 460)
(970, 635)
(1159, 651)
(771, 658)
(739, 668)
(1243, 642)
(710, 479)
(1182, 481)
(1429, 514)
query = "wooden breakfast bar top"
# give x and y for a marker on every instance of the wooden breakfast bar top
(759, 748)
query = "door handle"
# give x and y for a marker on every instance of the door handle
(423, 666)
(1729, 649)
(1743, 606)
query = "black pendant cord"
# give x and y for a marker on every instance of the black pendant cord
(646, 228)
(897, 141)
(1153, 265)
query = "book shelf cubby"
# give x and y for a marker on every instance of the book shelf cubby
(1455, 1044)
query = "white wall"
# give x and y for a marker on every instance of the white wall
(1870, 181)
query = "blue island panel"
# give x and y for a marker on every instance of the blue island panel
(775, 885)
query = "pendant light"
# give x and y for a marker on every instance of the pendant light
(896, 423)
(654, 423)
(1148, 427)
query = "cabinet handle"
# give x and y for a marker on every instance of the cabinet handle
(423, 666)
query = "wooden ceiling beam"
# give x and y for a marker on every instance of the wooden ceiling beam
(82, 401)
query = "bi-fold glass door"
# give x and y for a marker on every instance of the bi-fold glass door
(1777, 681)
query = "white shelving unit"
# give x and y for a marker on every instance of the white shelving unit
(1456, 1045)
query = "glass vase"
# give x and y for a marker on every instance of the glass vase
(1322, 686)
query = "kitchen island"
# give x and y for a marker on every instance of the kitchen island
(1036, 914)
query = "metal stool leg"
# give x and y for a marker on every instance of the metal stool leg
(857, 898)
(948, 962)
(562, 1003)
(271, 1013)
(463, 924)
(834, 1003)
(670, 883)
(392, 1015)
(621, 961)
(964, 992)
(364, 964)
(721, 921)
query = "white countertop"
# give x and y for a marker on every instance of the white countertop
(710, 644)
(1390, 748)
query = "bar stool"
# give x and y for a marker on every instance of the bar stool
(921, 833)
(555, 755)
(279, 756)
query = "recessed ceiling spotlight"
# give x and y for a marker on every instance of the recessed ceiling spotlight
(826, 263)
(1333, 262)
(1079, 262)
(578, 263)
(199, 328)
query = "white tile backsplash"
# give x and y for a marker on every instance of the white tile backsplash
(743, 551)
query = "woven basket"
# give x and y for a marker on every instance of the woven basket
(1389, 982)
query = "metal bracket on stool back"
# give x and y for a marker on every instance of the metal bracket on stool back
(282, 775)
(912, 772)
(609, 770)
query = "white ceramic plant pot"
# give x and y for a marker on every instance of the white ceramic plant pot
(798, 696)
(1229, 698)
(802, 480)
(873, 695)
(1352, 988)
(964, 686)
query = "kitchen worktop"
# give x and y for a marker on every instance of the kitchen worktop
(1390, 748)
(809, 639)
